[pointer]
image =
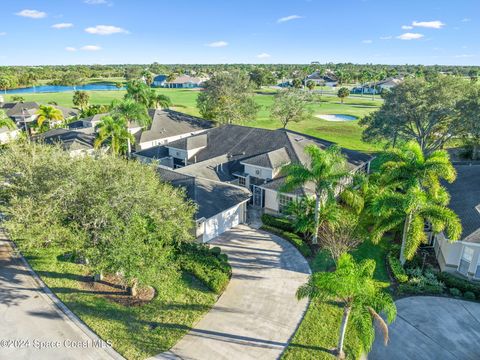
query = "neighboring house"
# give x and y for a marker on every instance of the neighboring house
(377, 87)
(248, 157)
(7, 135)
(86, 125)
(463, 256)
(327, 79)
(185, 82)
(159, 81)
(26, 112)
(220, 206)
(76, 143)
(167, 126)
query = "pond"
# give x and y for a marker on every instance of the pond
(336, 117)
(58, 88)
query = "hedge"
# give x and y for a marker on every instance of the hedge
(463, 285)
(396, 268)
(277, 222)
(294, 239)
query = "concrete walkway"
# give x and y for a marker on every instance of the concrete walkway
(258, 312)
(31, 325)
(432, 328)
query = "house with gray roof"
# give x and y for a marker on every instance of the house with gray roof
(184, 82)
(220, 206)
(248, 157)
(76, 143)
(463, 256)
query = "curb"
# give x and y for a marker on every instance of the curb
(56, 301)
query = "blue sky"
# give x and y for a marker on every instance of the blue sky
(35, 32)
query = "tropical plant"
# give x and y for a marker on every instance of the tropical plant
(139, 92)
(148, 77)
(353, 285)
(291, 106)
(469, 110)
(114, 131)
(342, 93)
(5, 121)
(326, 171)
(18, 98)
(161, 101)
(311, 85)
(81, 99)
(48, 114)
(297, 83)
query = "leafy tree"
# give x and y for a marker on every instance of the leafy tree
(417, 110)
(342, 93)
(48, 114)
(227, 99)
(297, 83)
(80, 99)
(353, 285)
(416, 196)
(468, 109)
(95, 109)
(18, 98)
(114, 131)
(326, 171)
(138, 91)
(291, 106)
(118, 85)
(311, 85)
(5, 83)
(148, 76)
(261, 77)
(5, 121)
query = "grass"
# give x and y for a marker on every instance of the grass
(347, 134)
(136, 332)
(317, 335)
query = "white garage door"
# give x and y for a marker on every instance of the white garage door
(222, 222)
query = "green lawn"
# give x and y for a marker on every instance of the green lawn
(346, 134)
(317, 335)
(136, 332)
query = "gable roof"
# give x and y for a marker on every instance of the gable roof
(465, 200)
(189, 143)
(160, 78)
(272, 159)
(211, 197)
(69, 139)
(183, 79)
(15, 109)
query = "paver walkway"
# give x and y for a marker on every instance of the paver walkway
(258, 312)
(432, 328)
(31, 325)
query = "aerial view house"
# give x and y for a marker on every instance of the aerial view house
(159, 81)
(76, 143)
(185, 82)
(326, 79)
(26, 112)
(463, 257)
(7, 135)
(247, 157)
(220, 206)
(377, 87)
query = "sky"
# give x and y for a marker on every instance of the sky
(39, 32)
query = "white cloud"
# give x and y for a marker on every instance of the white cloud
(388, 37)
(289, 18)
(218, 44)
(3, 33)
(466, 20)
(407, 27)
(437, 24)
(105, 30)
(367, 41)
(95, 2)
(33, 14)
(90, 48)
(62, 26)
(263, 56)
(70, 48)
(410, 36)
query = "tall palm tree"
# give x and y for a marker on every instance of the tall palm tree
(113, 130)
(131, 111)
(415, 182)
(5, 121)
(326, 171)
(353, 285)
(161, 101)
(48, 114)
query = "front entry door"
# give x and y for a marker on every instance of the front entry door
(258, 195)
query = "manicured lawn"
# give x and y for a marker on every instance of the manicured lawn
(137, 332)
(318, 332)
(346, 134)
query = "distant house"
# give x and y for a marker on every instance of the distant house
(26, 112)
(185, 82)
(159, 81)
(377, 87)
(327, 79)
(7, 135)
(76, 143)
(88, 124)
(220, 206)
(463, 256)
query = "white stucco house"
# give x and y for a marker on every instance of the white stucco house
(463, 257)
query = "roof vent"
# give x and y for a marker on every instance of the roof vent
(298, 139)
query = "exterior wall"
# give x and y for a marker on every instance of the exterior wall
(222, 222)
(263, 173)
(271, 200)
(8, 136)
(449, 255)
(163, 141)
(178, 153)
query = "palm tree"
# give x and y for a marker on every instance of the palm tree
(353, 285)
(131, 111)
(415, 182)
(48, 114)
(161, 101)
(113, 130)
(5, 121)
(326, 171)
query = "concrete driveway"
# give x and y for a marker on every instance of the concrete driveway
(31, 325)
(432, 328)
(258, 312)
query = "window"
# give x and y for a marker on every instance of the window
(465, 261)
(477, 270)
(283, 201)
(241, 181)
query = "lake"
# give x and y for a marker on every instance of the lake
(55, 88)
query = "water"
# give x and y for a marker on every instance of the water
(337, 117)
(55, 88)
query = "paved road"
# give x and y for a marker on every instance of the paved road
(258, 312)
(432, 328)
(28, 314)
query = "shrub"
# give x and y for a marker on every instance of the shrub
(463, 285)
(455, 292)
(294, 239)
(469, 295)
(215, 250)
(396, 268)
(421, 283)
(277, 222)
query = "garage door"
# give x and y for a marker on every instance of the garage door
(222, 222)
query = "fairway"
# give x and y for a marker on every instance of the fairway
(347, 133)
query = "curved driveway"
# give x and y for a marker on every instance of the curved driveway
(258, 312)
(432, 328)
